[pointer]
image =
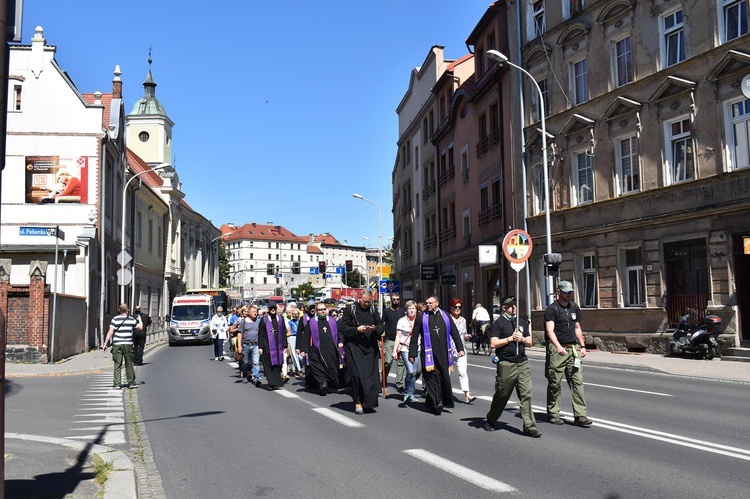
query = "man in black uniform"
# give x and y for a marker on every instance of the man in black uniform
(139, 336)
(361, 327)
(510, 336)
(565, 348)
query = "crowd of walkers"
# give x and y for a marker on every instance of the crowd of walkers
(353, 352)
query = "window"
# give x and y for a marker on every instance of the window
(465, 164)
(634, 277)
(539, 21)
(143, 136)
(584, 189)
(580, 82)
(738, 141)
(270, 268)
(572, 8)
(17, 97)
(680, 155)
(484, 198)
(424, 131)
(623, 62)
(628, 168)
(734, 17)
(674, 39)
(150, 235)
(416, 157)
(590, 295)
(138, 229)
(539, 107)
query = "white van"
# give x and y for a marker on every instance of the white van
(190, 318)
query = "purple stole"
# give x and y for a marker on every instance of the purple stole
(315, 336)
(276, 353)
(305, 319)
(429, 360)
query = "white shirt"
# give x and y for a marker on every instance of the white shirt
(218, 326)
(480, 314)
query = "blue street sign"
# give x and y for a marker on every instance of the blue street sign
(390, 286)
(314, 271)
(37, 231)
(340, 270)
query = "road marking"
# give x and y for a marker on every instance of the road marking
(287, 394)
(462, 472)
(101, 405)
(629, 390)
(339, 418)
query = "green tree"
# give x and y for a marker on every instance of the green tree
(223, 265)
(354, 279)
(388, 258)
(305, 290)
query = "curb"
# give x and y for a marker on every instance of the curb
(121, 481)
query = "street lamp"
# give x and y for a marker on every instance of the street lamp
(380, 246)
(503, 59)
(122, 235)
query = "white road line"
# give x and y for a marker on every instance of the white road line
(462, 472)
(628, 389)
(339, 418)
(287, 394)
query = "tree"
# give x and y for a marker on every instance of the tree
(306, 289)
(354, 279)
(388, 255)
(223, 265)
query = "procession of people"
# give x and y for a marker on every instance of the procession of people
(352, 351)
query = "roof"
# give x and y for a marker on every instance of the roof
(326, 239)
(151, 179)
(148, 105)
(106, 101)
(264, 232)
(314, 249)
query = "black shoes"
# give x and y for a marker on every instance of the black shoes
(323, 390)
(489, 426)
(583, 422)
(438, 409)
(533, 433)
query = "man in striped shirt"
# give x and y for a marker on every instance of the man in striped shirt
(121, 334)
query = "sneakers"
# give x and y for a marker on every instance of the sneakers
(583, 421)
(221, 358)
(116, 387)
(132, 386)
(358, 409)
(407, 398)
(555, 420)
(244, 380)
(413, 398)
(531, 432)
(489, 426)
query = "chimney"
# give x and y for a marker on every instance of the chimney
(117, 84)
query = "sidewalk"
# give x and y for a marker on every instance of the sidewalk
(41, 466)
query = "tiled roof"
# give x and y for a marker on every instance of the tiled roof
(106, 102)
(326, 239)
(314, 249)
(152, 179)
(264, 232)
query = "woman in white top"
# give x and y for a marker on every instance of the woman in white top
(219, 327)
(404, 327)
(461, 362)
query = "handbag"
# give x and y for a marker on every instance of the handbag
(238, 355)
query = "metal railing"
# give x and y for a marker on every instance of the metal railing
(692, 305)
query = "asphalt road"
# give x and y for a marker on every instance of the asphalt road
(654, 436)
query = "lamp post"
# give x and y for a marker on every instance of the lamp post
(503, 59)
(380, 246)
(124, 206)
(210, 244)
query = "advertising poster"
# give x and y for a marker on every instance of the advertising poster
(56, 179)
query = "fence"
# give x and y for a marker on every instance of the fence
(692, 305)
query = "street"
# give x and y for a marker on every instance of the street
(654, 435)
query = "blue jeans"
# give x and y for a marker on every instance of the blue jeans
(411, 372)
(247, 350)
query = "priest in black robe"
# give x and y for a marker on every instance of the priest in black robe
(309, 381)
(271, 345)
(434, 329)
(321, 344)
(362, 327)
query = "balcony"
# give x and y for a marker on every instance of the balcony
(406, 254)
(448, 234)
(405, 209)
(430, 242)
(489, 214)
(428, 191)
(446, 175)
(487, 142)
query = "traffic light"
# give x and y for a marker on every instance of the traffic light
(322, 267)
(270, 269)
(349, 265)
(552, 263)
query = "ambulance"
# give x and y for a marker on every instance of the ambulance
(190, 318)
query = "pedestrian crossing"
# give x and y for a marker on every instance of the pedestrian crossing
(100, 417)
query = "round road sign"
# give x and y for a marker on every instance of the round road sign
(517, 246)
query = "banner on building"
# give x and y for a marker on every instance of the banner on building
(56, 179)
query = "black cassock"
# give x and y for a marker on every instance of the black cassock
(323, 364)
(362, 353)
(273, 373)
(436, 383)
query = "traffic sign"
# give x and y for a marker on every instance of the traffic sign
(124, 276)
(387, 286)
(517, 246)
(745, 85)
(340, 270)
(37, 231)
(314, 271)
(124, 258)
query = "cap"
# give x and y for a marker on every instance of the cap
(565, 286)
(272, 306)
(507, 300)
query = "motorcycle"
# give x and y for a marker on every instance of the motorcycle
(698, 340)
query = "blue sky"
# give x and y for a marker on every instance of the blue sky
(282, 110)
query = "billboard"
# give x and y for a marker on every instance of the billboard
(56, 179)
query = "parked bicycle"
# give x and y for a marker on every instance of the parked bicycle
(481, 342)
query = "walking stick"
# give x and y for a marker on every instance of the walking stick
(382, 363)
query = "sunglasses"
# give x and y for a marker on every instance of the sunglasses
(321, 310)
(457, 306)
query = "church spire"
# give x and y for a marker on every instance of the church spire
(148, 104)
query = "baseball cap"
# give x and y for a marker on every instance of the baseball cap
(565, 286)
